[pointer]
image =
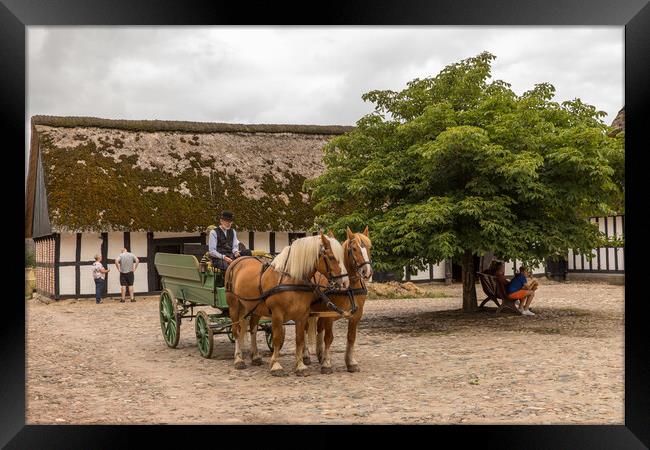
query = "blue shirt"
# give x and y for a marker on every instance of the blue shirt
(516, 284)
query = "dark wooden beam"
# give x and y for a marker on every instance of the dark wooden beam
(90, 263)
(57, 255)
(176, 240)
(272, 242)
(151, 269)
(127, 240)
(77, 266)
(615, 249)
(105, 258)
(251, 240)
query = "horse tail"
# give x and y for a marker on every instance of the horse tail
(312, 323)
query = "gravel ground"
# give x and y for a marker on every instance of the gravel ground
(421, 360)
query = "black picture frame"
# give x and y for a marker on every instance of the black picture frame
(15, 15)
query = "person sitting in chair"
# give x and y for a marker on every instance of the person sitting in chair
(223, 245)
(519, 289)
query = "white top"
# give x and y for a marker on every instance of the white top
(97, 267)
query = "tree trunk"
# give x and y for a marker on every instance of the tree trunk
(469, 286)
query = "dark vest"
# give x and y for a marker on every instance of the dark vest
(224, 241)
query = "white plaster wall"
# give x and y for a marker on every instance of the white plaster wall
(67, 280)
(612, 263)
(281, 240)
(602, 258)
(510, 271)
(115, 244)
(68, 247)
(242, 235)
(621, 255)
(421, 275)
(113, 279)
(91, 244)
(262, 241)
(439, 270)
(139, 244)
(87, 284)
(141, 283)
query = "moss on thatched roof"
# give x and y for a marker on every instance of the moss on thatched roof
(618, 124)
(118, 175)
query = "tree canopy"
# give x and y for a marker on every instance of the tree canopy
(457, 164)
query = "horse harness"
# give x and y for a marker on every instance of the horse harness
(310, 287)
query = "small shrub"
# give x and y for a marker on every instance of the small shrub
(30, 258)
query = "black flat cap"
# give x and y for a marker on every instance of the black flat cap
(227, 215)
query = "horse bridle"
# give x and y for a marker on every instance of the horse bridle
(330, 277)
(357, 266)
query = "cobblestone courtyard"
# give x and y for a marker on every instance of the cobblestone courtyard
(421, 360)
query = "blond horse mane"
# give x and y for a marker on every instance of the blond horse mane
(300, 258)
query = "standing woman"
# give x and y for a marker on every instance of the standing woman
(99, 275)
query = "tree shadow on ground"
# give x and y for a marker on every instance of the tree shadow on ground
(563, 321)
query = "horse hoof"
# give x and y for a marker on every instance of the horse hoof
(257, 362)
(326, 370)
(277, 373)
(354, 368)
(240, 365)
(306, 360)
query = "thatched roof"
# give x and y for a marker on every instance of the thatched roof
(124, 175)
(618, 124)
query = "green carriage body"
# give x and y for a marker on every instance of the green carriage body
(181, 274)
(186, 286)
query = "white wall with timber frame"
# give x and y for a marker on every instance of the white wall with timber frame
(431, 272)
(605, 259)
(75, 254)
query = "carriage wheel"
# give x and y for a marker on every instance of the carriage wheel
(268, 330)
(269, 338)
(204, 334)
(170, 320)
(230, 335)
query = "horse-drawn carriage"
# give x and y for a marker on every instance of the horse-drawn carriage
(187, 285)
(307, 282)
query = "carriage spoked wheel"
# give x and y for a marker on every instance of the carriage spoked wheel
(230, 335)
(269, 338)
(170, 321)
(204, 334)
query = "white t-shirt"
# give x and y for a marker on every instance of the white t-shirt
(97, 267)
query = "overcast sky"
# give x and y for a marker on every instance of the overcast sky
(300, 75)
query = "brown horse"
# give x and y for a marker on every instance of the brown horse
(356, 250)
(283, 291)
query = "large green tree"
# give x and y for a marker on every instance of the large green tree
(457, 165)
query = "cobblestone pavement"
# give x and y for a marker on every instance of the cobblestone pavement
(421, 360)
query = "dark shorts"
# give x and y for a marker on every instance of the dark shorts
(126, 279)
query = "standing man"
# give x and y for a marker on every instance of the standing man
(127, 263)
(99, 275)
(223, 245)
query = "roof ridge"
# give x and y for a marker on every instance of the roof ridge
(186, 126)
